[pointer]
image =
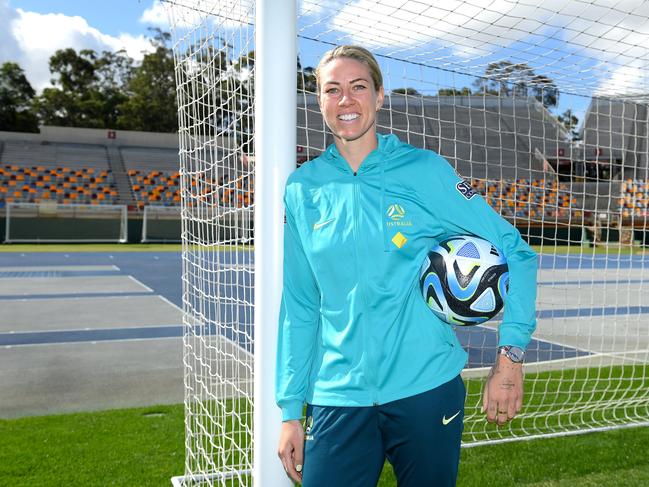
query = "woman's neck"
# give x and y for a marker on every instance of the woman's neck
(355, 151)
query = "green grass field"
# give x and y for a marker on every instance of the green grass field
(145, 447)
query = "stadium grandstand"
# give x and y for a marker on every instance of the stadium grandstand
(520, 158)
(514, 152)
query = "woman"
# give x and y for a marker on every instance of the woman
(378, 371)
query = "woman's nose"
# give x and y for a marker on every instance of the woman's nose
(345, 99)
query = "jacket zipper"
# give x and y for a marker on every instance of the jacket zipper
(370, 363)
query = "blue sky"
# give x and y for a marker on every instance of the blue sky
(558, 38)
(31, 31)
(112, 17)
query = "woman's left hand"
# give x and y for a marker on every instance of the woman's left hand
(503, 392)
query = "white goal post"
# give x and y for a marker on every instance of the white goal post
(543, 106)
(161, 224)
(51, 222)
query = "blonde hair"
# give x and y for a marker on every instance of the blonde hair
(357, 53)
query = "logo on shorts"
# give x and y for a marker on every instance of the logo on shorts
(446, 420)
(465, 189)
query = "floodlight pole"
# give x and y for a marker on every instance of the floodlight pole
(275, 143)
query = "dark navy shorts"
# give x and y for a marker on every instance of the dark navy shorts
(419, 435)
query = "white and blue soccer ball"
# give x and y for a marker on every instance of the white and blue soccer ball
(464, 280)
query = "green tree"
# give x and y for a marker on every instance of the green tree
(465, 91)
(406, 91)
(306, 80)
(81, 95)
(151, 91)
(74, 101)
(16, 94)
(570, 121)
(505, 78)
(113, 72)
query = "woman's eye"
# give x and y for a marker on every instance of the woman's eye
(331, 91)
(359, 87)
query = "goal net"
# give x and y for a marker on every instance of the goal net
(541, 105)
(57, 222)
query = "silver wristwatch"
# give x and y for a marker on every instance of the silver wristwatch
(515, 354)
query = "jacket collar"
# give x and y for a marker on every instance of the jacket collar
(386, 145)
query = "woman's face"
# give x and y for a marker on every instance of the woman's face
(348, 100)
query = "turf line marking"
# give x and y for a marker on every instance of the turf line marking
(587, 282)
(542, 339)
(559, 344)
(169, 302)
(92, 342)
(105, 334)
(85, 330)
(34, 297)
(140, 283)
(623, 355)
(590, 312)
(110, 334)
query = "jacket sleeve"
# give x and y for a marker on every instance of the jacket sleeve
(462, 211)
(298, 324)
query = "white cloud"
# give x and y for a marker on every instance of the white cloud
(191, 13)
(30, 38)
(155, 15)
(602, 41)
(464, 27)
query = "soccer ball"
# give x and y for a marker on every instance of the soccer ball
(464, 280)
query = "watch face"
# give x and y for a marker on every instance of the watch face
(515, 354)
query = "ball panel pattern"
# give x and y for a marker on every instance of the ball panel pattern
(464, 280)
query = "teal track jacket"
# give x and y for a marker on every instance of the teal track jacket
(354, 329)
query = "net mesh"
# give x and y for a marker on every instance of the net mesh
(541, 105)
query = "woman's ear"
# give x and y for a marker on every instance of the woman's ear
(379, 98)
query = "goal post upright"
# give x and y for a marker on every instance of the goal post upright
(275, 142)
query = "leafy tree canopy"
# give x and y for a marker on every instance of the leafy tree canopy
(505, 78)
(406, 91)
(465, 91)
(16, 96)
(570, 121)
(151, 91)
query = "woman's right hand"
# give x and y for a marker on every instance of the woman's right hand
(291, 448)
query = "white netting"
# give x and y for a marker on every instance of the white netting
(542, 105)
